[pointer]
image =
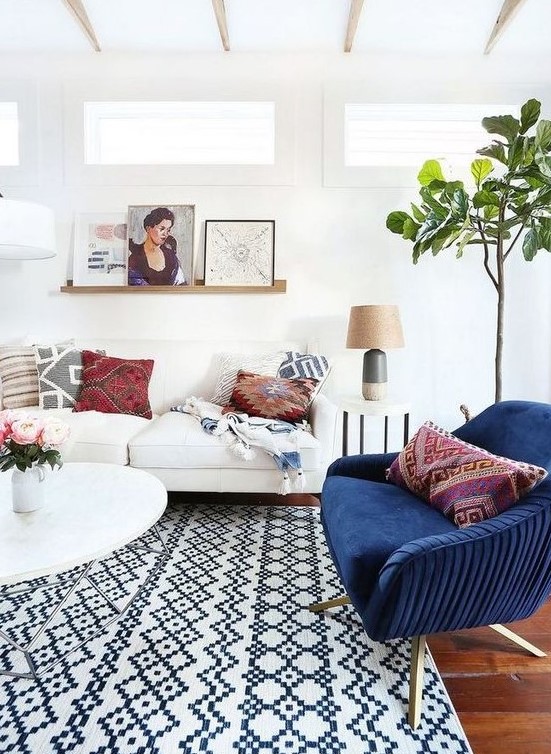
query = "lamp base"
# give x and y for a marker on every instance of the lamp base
(374, 391)
(374, 379)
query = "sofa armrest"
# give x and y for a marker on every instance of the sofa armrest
(323, 420)
(369, 466)
(497, 571)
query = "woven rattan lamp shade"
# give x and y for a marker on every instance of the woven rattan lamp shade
(375, 326)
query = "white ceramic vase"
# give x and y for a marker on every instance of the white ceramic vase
(28, 489)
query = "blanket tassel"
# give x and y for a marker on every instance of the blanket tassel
(285, 486)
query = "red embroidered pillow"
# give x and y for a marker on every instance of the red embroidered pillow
(115, 386)
(467, 484)
(272, 397)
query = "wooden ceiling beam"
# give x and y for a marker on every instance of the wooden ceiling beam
(220, 13)
(506, 15)
(353, 18)
(79, 12)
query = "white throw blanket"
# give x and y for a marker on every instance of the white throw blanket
(243, 434)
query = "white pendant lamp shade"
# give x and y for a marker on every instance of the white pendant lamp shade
(27, 230)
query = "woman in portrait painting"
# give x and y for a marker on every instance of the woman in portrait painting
(155, 261)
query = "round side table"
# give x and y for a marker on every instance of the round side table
(387, 407)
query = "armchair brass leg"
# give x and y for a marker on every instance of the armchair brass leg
(418, 646)
(517, 639)
(318, 607)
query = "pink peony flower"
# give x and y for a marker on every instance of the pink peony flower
(26, 430)
(55, 432)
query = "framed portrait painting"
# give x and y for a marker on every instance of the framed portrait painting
(160, 244)
(99, 256)
(239, 252)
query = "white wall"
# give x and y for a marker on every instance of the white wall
(331, 243)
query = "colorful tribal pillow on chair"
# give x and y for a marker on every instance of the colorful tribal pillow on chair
(467, 484)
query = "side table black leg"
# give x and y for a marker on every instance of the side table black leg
(345, 433)
(386, 434)
(406, 429)
(361, 433)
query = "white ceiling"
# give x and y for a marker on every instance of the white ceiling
(409, 26)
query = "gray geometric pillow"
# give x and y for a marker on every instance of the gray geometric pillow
(59, 375)
(298, 365)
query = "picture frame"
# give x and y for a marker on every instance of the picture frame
(160, 244)
(99, 252)
(239, 252)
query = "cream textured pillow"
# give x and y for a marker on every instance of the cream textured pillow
(231, 363)
(19, 376)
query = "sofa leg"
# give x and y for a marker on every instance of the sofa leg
(318, 607)
(517, 639)
(418, 646)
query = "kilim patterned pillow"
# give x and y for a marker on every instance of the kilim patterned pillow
(296, 364)
(115, 386)
(59, 375)
(231, 363)
(272, 397)
(467, 484)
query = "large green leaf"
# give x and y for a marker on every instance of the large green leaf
(529, 114)
(516, 153)
(417, 213)
(496, 150)
(543, 136)
(543, 228)
(502, 125)
(544, 164)
(530, 245)
(395, 221)
(490, 211)
(431, 171)
(463, 242)
(480, 169)
(484, 198)
(410, 229)
(437, 208)
(460, 203)
(429, 229)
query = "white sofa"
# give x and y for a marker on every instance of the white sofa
(173, 446)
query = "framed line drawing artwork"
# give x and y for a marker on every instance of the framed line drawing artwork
(99, 255)
(239, 252)
(160, 244)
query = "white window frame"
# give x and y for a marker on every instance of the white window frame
(337, 173)
(26, 172)
(244, 119)
(282, 172)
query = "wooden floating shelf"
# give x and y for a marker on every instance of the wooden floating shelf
(279, 286)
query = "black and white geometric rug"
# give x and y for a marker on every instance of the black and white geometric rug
(219, 654)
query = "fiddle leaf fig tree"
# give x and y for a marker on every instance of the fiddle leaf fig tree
(510, 205)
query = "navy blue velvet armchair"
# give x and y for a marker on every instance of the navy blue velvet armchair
(409, 571)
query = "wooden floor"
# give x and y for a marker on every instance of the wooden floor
(501, 693)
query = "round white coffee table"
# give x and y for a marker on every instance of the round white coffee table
(91, 510)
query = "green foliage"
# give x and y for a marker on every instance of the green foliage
(24, 457)
(511, 202)
(508, 202)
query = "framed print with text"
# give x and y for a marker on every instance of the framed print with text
(99, 255)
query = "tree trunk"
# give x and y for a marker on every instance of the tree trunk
(500, 317)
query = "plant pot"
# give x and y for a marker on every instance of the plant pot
(28, 489)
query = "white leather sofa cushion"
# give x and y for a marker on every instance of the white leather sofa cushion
(95, 437)
(177, 441)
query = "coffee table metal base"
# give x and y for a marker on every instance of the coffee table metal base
(160, 550)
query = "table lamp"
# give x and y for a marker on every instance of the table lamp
(375, 326)
(27, 230)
